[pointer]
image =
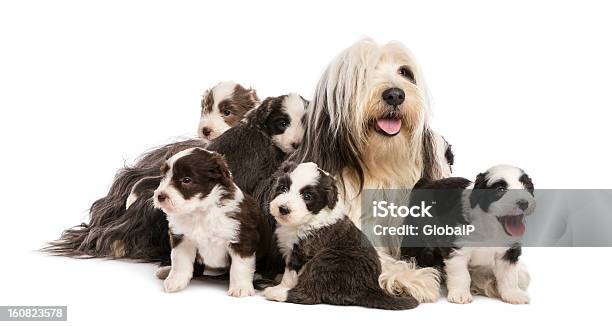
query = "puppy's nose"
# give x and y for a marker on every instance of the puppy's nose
(206, 131)
(522, 204)
(161, 197)
(295, 145)
(284, 210)
(393, 96)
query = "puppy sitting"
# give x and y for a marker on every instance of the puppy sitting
(328, 259)
(496, 204)
(223, 106)
(209, 219)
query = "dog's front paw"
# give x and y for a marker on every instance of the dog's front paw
(277, 293)
(515, 297)
(459, 296)
(241, 291)
(175, 283)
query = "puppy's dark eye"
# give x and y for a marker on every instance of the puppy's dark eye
(307, 196)
(407, 73)
(501, 189)
(282, 124)
(226, 112)
(186, 180)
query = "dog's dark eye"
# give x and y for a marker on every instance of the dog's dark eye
(282, 189)
(406, 72)
(186, 180)
(282, 124)
(226, 112)
(501, 189)
(307, 196)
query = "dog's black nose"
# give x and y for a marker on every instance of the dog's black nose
(393, 96)
(284, 210)
(161, 197)
(295, 145)
(206, 131)
(523, 204)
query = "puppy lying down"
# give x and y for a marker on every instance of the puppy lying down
(328, 259)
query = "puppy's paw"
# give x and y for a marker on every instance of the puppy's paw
(163, 272)
(241, 290)
(175, 283)
(276, 293)
(459, 296)
(515, 297)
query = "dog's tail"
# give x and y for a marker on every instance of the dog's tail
(377, 298)
(401, 277)
(139, 232)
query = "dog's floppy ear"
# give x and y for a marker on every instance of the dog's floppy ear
(259, 115)
(527, 182)
(287, 166)
(330, 190)
(479, 184)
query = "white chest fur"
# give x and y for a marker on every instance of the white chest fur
(212, 232)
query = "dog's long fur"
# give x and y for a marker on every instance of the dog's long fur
(341, 140)
(140, 231)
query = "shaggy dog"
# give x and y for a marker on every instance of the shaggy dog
(327, 258)
(496, 205)
(211, 220)
(253, 149)
(369, 127)
(223, 106)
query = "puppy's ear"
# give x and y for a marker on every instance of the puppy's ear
(526, 181)
(479, 184)
(253, 95)
(207, 101)
(220, 167)
(306, 102)
(288, 166)
(328, 183)
(259, 115)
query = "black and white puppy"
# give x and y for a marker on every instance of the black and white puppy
(223, 106)
(253, 149)
(496, 204)
(328, 259)
(210, 219)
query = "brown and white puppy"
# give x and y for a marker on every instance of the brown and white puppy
(223, 106)
(210, 219)
(327, 258)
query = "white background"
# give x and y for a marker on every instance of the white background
(85, 86)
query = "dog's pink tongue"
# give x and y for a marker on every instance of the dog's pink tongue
(389, 126)
(515, 226)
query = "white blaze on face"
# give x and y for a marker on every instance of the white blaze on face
(295, 107)
(213, 119)
(175, 203)
(304, 175)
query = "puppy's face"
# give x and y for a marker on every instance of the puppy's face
(301, 193)
(223, 107)
(192, 179)
(283, 118)
(506, 194)
(393, 100)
